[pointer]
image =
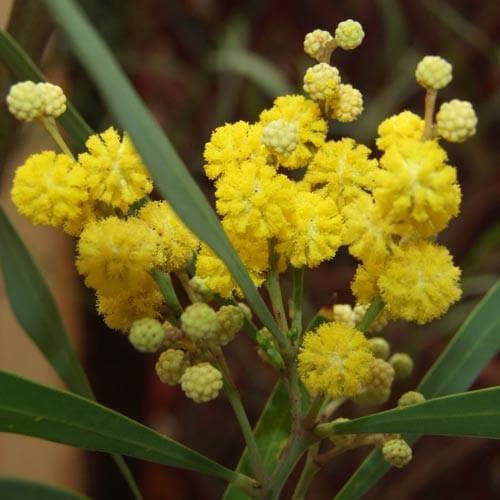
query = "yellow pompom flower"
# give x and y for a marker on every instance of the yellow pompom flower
(113, 254)
(50, 189)
(365, 230)
(311, 128)
(343, 167)
(122, 309)
(231, 145)
(254, 198)
(335, 360)
(420, 282)
(178, 243)
(315, 231)
(364, 283)
(116, 174)
(405, 125)
(415, 189)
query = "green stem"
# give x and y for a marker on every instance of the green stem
(127, 475)
(316, 320)
(310, 419)
(50, 125)
(274, 290)
(298, 293)
(234, 399)
(308, 472)
(430, 104)
(184, 279)
(371, 314)
(164, 282)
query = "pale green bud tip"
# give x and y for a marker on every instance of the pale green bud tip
(54, 100)
(456, 120)
(199, 321)
(199, 285)
(280, 136)
(321, 81)
(411, 398)
(24, 101)
(171, 365)
(230, 319)
(402, 364)
(433, 72)
(380, 347)
(147, 335)
(397, 452)
(349, 34)
(201, 382)
(319, 45)
(246, 310)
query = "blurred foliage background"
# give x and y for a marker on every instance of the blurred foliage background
(201, 63)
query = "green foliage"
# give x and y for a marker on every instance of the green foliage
(21, 489)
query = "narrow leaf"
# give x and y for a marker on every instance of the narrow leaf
(32, 409)
(472, 414)
(475, 343)
(22, 489)
(171, 177)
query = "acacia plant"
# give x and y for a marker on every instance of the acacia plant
(288, 196)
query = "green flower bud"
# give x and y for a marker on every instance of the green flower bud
(349, 34)
(25, 101)
(171, 365)
(147, 335)
(230, 320)
(199, 321)
(379, 347)
(201, 382)
(397, 452)
(402, 364)
(433, 72)
(411, 398)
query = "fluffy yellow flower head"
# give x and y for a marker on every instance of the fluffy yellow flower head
(116, 174)
(405, 125)
(50, 189)
(121, 310)
(315, 231)
(364, 283)
(335, 360)
(420, 282)
(343, 167)
(415, 189)
(254, 198)
(113, 254)
(231, 145)
(178, 243)
(365, 230)
(311, 128)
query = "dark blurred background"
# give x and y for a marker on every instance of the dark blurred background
(201, 63)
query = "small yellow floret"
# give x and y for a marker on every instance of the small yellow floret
(116, 174)
(346, 104)
(335, 360)
(178, 243)
(114, 254)
(319, 44)
(420, 283)
(364, 283)
(311, 128)
(321, 81)
(349, 34)
(50, 189)
(456, 120)
(433, 72)
(416, 190)
(25, 101)
(405, 125)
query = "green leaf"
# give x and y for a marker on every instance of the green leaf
(271, 433)
(35, 309)
(32, 409)
(472, 414)
(171, 177)
(252, 66)
(22, 489)
(23, 68)
(475, 343)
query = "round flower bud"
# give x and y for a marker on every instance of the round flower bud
(147, 335)
(372, 396)
(433, 72)
(381, 374)
(349, 34)
(280, 136)
(230, 319)
(201, 382)
(54, 100)
(380, 321)
(411, 398)
(25, 101)
(456, 120)
(397, 452)
(343, 313)
(380, 347)
(199, 286)
(246, 310)
(347, 103)
(402, 364)
(199, 321)
(321, 81)
(319, 44)
(171, 365)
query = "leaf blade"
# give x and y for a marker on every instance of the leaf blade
(22, 489)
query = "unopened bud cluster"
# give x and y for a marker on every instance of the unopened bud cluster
(378, 387)
(397, 452)
(280, 136)
(433, 72)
